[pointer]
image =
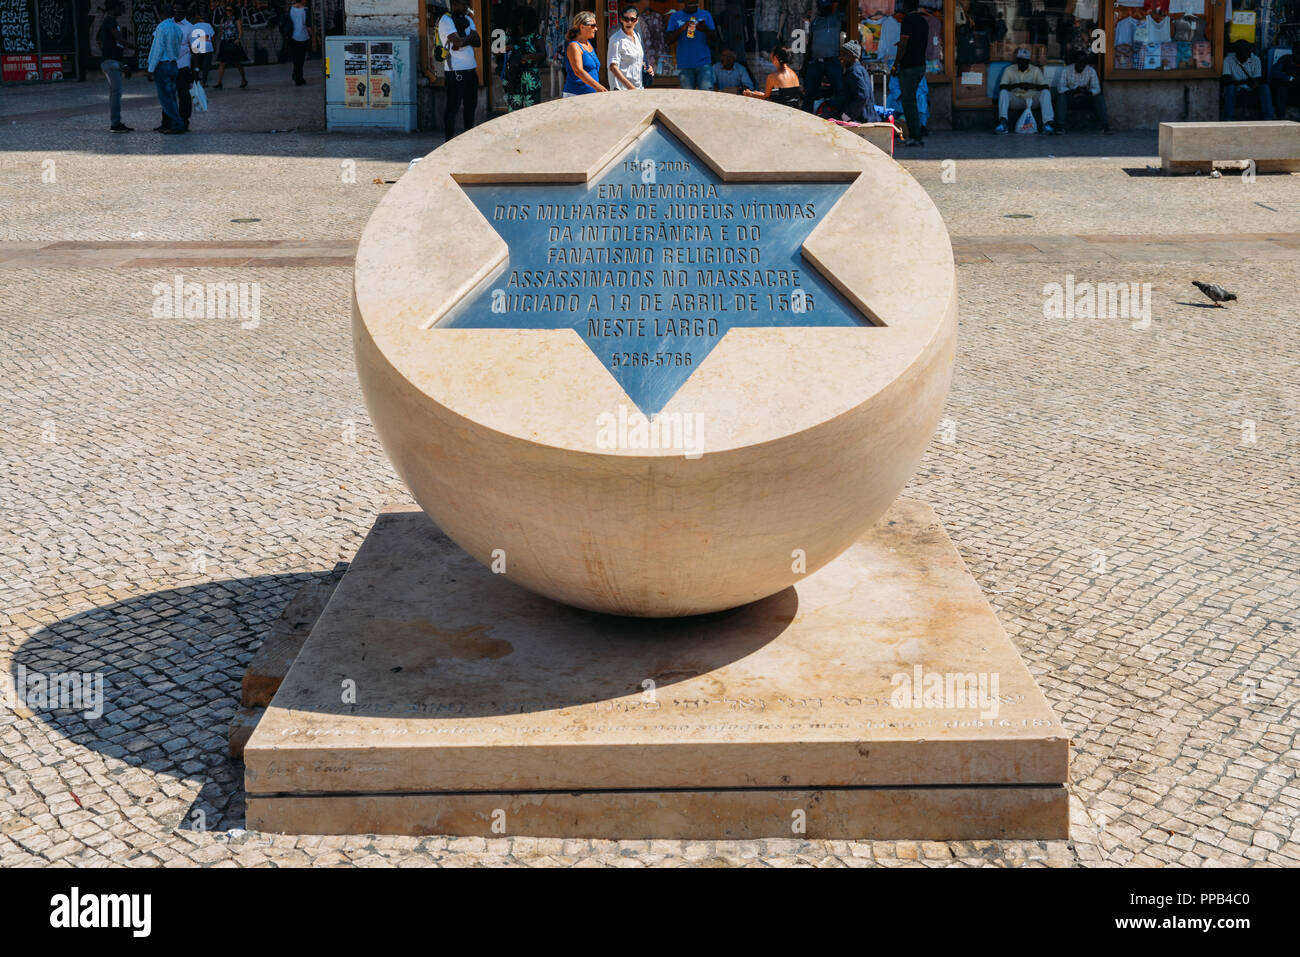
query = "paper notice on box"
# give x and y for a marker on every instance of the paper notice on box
(381, 75)
(356, 75)
(355, 59)
(354, 91)
(971, 79)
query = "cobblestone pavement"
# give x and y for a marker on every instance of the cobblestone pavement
(1125, 492)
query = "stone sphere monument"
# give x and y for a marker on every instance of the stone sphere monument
(658, 353)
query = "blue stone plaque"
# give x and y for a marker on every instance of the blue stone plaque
(652, 263)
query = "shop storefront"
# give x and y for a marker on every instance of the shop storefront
(735, 22)
(39, 40)
(1158, 59)
(58, 39)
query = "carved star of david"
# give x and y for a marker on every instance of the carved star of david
(652, 296)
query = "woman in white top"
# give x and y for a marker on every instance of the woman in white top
(626, 54)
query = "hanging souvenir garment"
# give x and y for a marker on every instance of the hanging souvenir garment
(767, 21)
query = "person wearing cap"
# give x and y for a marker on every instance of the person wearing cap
(1023, 84)
(856, 102)
(824, 45)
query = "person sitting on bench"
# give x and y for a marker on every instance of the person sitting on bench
(1078, 85)
(1284, 81)
(1021, 85)
(856, 102)
(1242, 77)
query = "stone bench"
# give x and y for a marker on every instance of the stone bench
(1274, 145)
(879, 135)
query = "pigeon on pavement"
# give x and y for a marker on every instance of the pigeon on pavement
(1216, 294)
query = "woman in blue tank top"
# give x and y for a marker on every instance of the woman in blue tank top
(581, 65)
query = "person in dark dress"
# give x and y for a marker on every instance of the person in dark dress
(782, 84)
(230, 49)
(524, 57)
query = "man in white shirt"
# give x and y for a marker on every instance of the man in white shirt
(1079, 85)
(458, 36)
(1242, 76)
(201, 48)
(299, 38)
(185, 75)
(626, 57)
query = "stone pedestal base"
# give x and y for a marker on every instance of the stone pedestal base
(879, 698)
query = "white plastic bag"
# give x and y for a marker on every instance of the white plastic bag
(1027, 123)
(199, 97)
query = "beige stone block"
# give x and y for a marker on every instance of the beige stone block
(1274, 145)
(879, 135)
(241, 729)
(276, 653)
(466, 683)
(941, 814)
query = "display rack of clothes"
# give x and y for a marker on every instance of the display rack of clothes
(795, 15)
(1159, 28)
(767, 23)
(731, 24)
(555, 28)
(890, 31)
(869, 30)
(655, 42)
(1189, 29)
(1074, 35)
(933, 42)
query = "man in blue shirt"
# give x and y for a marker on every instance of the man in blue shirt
(692, 29)
(168, 38)
(730, 76)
